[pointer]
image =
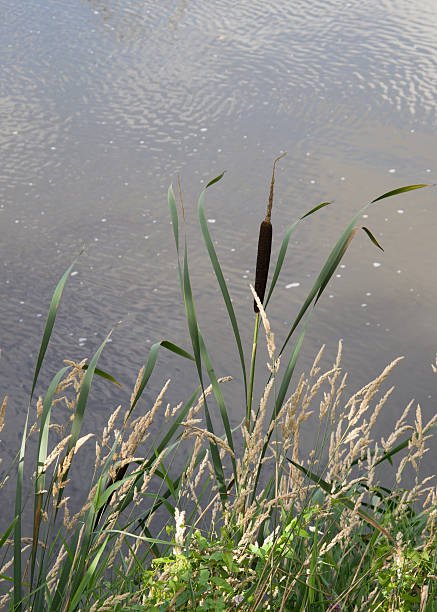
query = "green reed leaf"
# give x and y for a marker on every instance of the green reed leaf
(216, 179)
(394, 192)
(41, 458)
(104, 375)
(222, 283)
(372, 238)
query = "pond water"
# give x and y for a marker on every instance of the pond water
(105, 102)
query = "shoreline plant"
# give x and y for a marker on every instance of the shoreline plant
(260, 529)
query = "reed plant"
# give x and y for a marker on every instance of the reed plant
(261, 528)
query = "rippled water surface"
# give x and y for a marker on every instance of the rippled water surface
(104, 103)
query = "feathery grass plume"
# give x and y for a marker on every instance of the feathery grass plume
(265, 245)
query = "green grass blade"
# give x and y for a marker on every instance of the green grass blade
(284, 247)
(150, 364)
(280, 260)
(174, 216)
(87, 578)
(315, 209)
(50, 322)
(81, 406)
(336, 255)
(372, 238)
(41, 458)
(17, 527)
(104, 375)
(195, 341)
(216, 179)
(222, 283)
(19, 488)
(394, 192)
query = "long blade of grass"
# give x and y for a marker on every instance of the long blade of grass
(150, 364)
(336, 255)
(394, 192)
(41, 458)
(284, 247)
(222, 283)
(54, 304)
(53, 309)
(87, 578)
(103, 374)
(195, 341)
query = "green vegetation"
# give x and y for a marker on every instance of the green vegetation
(247, 523)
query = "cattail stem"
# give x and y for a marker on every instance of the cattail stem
(265, 244)
(252, 372)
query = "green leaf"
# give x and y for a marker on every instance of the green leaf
(222, 284)
(372, 238)
(103, 374)
(216, 179)
(400, 190)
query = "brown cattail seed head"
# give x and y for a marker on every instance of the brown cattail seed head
(263, 260)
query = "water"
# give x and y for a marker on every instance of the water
(104, 103)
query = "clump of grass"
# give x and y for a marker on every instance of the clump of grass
(265, 528)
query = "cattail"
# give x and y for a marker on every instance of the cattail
(265, 245)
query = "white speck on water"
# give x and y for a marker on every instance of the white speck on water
(365, 216)
(342, 265)
(338, 275)
(21, 302)
(428, 169)
(312, 181)
(83, 339)
(376, 264)
(154, 221)
(43, 212)
(368, 293)
(204, 129)
(363, 305)
(74, 273)
(392, 170)
(412, 131)
(211, 220)
(308, 154)
(39, 315)
(342, 178)
(96, 239)
(232, 250)
(53, 148)
(17, 221)
(20, 320)
(245, 276)
(400, 211)
(411, 289)
(290, 285)
(146, 237)
(367, 323)
(219, 150)
(103, 220)
(398, 271)
(247, 271)
(331, 295)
